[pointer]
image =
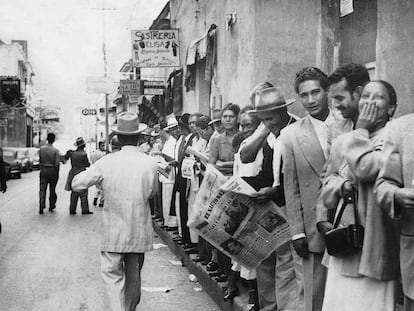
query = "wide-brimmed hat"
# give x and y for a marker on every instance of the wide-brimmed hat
(79, 142)
(128, 124)
(215, 116)
(155, 133)
(271, 98)
(171, 123)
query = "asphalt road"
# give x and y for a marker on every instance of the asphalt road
(51, 261)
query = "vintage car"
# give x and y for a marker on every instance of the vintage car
(12, 163)
(34, 156)
(24, 158)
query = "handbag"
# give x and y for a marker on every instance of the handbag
(347, 240)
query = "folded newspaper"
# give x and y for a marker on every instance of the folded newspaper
(234, 223)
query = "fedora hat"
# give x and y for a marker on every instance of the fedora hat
(215, 116)
(79, 142)
(128, 124)
(171, 122)
(271, 98)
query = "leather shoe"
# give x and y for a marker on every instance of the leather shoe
(231, 293)
(190, 251)
(41, 211)
(172, 229)
(72, 213)
(101, 204)
(52, 208)
(212, 266)
(87, 213)
(221, 278)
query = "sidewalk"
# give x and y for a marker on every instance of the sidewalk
(214, 289)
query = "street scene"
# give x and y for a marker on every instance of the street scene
(251, 155)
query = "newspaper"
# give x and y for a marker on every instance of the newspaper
(164, 169)
(202, 157)
(235, 224)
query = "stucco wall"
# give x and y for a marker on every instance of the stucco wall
(395, 49)
(270, 41)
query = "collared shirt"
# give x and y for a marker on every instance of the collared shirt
(128, 178)
(322, 131)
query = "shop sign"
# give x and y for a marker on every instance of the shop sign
(155, 48)
(154, 87)
(130, 87)
(88, 111)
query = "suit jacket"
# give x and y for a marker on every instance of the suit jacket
(3, 185)
(398, 172)
(303, 161)
(80, 162)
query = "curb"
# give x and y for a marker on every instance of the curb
(213, 288)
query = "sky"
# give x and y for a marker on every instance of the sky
(65, 42)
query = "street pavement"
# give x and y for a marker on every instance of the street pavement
(51, 261)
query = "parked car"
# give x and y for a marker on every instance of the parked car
(12, 163)
(24, 158)
(34, 156)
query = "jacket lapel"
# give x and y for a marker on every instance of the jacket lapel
(310, 146)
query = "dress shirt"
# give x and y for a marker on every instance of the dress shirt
(128, 179)
(322, 129)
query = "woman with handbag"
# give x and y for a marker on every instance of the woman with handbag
(363, 266)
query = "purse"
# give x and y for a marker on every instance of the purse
(344, 241)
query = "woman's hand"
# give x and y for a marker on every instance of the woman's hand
(368, 117)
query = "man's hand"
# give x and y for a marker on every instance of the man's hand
(404, 197)
(264, 195)
(173, 163)
(301, 247)
(368, 117)
(346, 190)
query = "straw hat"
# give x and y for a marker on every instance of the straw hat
(128, 124)
(271, 98)
(171, 123)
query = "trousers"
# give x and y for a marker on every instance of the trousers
(48, 176)
(121, 274)
(83, 196)
(277, 282)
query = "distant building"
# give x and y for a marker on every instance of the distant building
(16, 123)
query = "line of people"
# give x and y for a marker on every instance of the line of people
(308, 166)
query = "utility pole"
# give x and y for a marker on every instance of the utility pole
(103, 9)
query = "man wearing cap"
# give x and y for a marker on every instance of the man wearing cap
(276, 277)
(127, 225)
(49, 159)
(79, 161)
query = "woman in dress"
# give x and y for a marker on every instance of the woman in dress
(365, 279)
(221, 155)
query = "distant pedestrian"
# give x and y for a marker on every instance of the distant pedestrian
(96, 155)
(129, 179)
(49, 173)
(3, 185)
(80, 162)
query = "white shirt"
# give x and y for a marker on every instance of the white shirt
(128, 178)
(322, 131)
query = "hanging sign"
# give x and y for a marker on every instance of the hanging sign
(155, 48)
(130, 87)
(154, 87)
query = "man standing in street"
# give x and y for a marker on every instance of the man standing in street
(79, 161)
(3, 185)
(305, 150)
(129, 179)
(49, 173)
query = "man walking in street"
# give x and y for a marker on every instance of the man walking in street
(129, 179)
(96, 155)
(49, 159)
(80, 162)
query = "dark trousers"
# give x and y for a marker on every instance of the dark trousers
(158, 202)
(184, 217)
(204, 251)
(48, 176)
(74, 196)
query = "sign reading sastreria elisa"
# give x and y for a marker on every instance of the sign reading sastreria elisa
(155, 48)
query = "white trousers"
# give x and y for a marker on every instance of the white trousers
(121, 273)
(167, 193)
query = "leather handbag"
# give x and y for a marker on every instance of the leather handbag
(343, 241)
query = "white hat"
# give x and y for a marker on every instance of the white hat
(128, 124)
(171, 122)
